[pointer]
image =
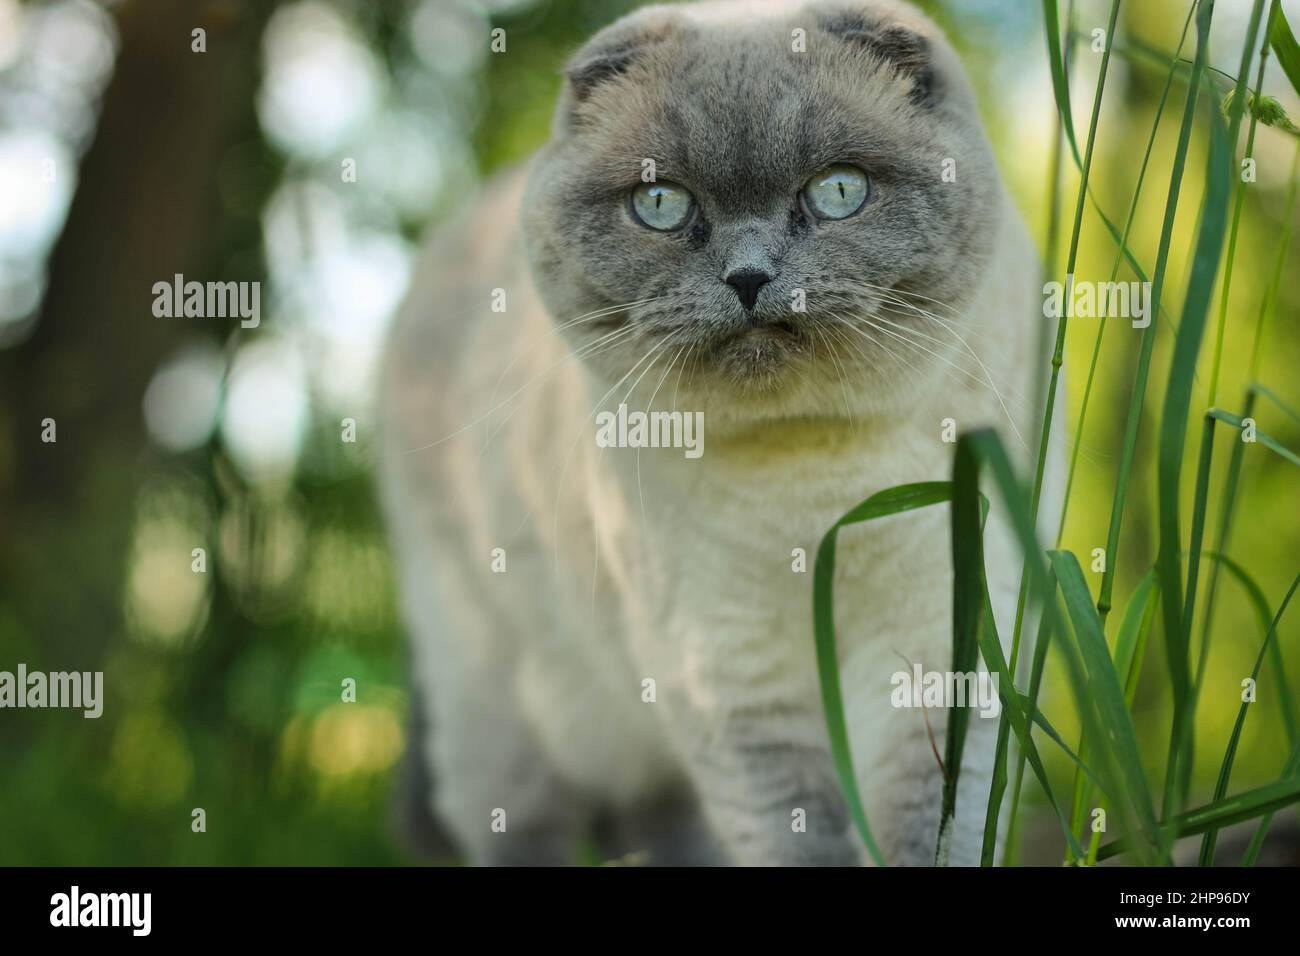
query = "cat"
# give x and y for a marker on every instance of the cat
(785, 219)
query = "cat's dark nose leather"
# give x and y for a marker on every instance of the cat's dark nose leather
(747, 282)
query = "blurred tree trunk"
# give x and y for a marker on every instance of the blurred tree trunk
(146, 207)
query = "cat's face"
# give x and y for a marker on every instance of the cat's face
(758, 201)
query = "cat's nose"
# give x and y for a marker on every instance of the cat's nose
(747, 282)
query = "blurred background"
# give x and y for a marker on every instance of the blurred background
(308, 147)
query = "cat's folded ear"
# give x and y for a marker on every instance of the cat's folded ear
(901, 48)
(610, 54)
(592, 67)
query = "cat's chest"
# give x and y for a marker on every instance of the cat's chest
(740, 546)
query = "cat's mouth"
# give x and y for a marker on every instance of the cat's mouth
(781, 330)
(760, 351)
(778, 328)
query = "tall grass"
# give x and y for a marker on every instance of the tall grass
(1102, 673)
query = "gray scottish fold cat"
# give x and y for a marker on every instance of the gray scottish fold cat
(780, 221)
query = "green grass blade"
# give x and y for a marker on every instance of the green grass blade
(1269, 304)
(1058, 353)
(997, 788)
(1173, 429)
(974, 449)
(1129, 645)
(1015, 710)
(1039, 718)
(1200, 502)
(1290, 770)
(987, 446)
(1228, 503)
(1133, 629)
(1143, 614)
(1223, 813)
(1121, 252)
(891, 501)
(1285, 46)
(1042, 643)
(1101, 697)
(1056, 64)
(1260, 603)
(1061, 90)
(1276, 400)
(1205, 13)
(1239, 202)
(1086, 169)
(967, 618)
(1225, 770)
(1265, 439)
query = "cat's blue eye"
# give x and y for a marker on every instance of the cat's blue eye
(837, 192)
(662, 206)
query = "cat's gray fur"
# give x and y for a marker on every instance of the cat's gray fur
(625, 566)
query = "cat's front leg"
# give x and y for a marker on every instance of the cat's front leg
(769, 789)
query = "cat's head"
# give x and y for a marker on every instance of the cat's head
(754, 201)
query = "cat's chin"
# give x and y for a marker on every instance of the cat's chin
(762, 358)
